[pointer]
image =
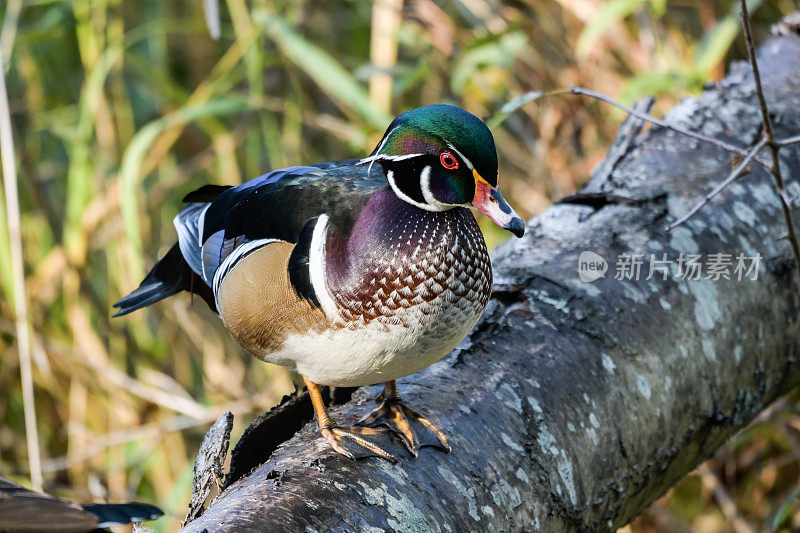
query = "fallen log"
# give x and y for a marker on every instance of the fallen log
(574, 404)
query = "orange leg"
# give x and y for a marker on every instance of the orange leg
(335, 434)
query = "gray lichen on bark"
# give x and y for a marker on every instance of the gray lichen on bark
(573, 405)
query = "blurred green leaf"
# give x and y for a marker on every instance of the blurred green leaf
(499, 51)
(657, 7)
(511, 106)
(323, 68)
(5, 251)
(716, 43)
(79, 174)
(611, 13)
(137, 150)
(785, 512)
(648, 83)
(175, 502)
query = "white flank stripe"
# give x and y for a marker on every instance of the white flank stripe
(316, 268)
(229, 261)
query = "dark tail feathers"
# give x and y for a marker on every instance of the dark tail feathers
(120, 514)
(169, 276)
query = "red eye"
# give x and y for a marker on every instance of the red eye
(448, 161)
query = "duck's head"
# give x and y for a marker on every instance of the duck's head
(438, 157)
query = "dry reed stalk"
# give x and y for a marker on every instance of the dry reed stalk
(18, 277)
(386, 18)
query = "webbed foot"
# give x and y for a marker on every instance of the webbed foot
(414, 429)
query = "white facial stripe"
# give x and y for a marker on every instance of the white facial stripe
(385, 140)
(462, 156)
(425, 186)
(403, 196)
(378, 157)
(371, 159)
(316, 269)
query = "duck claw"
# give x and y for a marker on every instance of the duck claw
(360, 436)
(406, 424)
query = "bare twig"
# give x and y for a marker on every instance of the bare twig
(749, 154)
(788, 140)
(18, 276)
(737, 173)
(677, 129)
(775, 168)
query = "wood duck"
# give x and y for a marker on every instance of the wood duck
(350, 273)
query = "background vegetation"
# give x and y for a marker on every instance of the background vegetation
(119, 108)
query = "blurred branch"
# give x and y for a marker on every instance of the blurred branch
(672, 127)
(789, 140)
(18, 276)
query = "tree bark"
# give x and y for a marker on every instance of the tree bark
(573, 405)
